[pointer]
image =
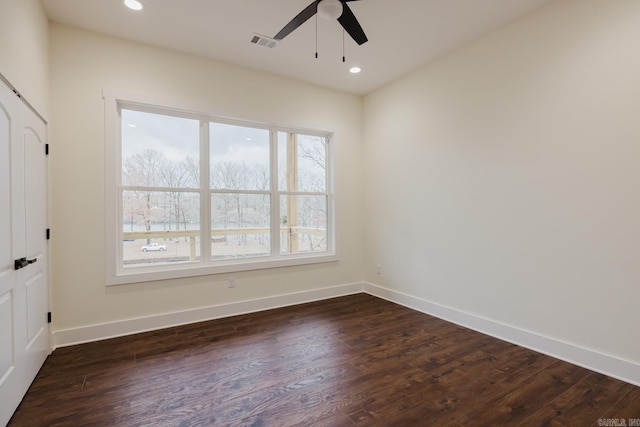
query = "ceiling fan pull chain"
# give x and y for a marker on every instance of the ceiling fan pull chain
(343, 57)
(316, 36)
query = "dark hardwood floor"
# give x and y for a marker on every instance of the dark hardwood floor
(350, 361)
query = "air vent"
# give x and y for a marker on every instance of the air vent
(265, 41)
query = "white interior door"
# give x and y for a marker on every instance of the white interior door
(8, 277)
(24, 289)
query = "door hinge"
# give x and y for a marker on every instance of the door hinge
(46, 149)
(49, 317)
(48, 234)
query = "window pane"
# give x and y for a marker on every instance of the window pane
(303, 224)
(159, 151)
(302, 163)
(160, 227)
(240, 225)
(239, 157)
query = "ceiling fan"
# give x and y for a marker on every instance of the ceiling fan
(329, 9)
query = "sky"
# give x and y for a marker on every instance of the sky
(178, 137)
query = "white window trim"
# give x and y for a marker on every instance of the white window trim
(116, 274)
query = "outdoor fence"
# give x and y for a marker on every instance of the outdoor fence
(220, 234)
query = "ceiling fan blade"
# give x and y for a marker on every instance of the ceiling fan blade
(350, 23)
(300, 19)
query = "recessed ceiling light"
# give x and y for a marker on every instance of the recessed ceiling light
(355, 70)
(134, 4)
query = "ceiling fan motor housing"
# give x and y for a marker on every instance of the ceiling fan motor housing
(330, 9)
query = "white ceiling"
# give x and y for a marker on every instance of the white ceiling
(403, 34)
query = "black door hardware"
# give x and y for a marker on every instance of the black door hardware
(23, 262)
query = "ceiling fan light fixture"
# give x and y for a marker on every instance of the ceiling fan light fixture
(134, 4)
(355, 70)
(330, 9)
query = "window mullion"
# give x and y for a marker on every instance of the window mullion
(160, 189)
(205, 193)
(222, 191)
(330, 198)
(275, 195)
(118, 203)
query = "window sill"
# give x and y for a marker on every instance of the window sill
(156, 273)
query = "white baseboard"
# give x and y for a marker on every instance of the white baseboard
(67, 337)
(609, 365)
(605, 364)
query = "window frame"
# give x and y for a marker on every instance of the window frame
(117, 274)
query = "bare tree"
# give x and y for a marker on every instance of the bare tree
(175, 175)
(314, 150)
(262, 177)
(192, 169)
(144, 170)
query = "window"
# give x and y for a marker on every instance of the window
(240, 178)
(197, 195)
(302, 184)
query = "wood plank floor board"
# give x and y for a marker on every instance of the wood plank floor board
(537, 391)
(350, 361)
(581, 404)
(521, 363)
(625, 408)
(453, 387)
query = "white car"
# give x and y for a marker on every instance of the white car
(154, 247)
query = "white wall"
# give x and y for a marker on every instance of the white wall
(503, 180)
(24, 46)
(500, 181)
(82, 65)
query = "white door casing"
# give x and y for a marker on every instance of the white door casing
(24, 299)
